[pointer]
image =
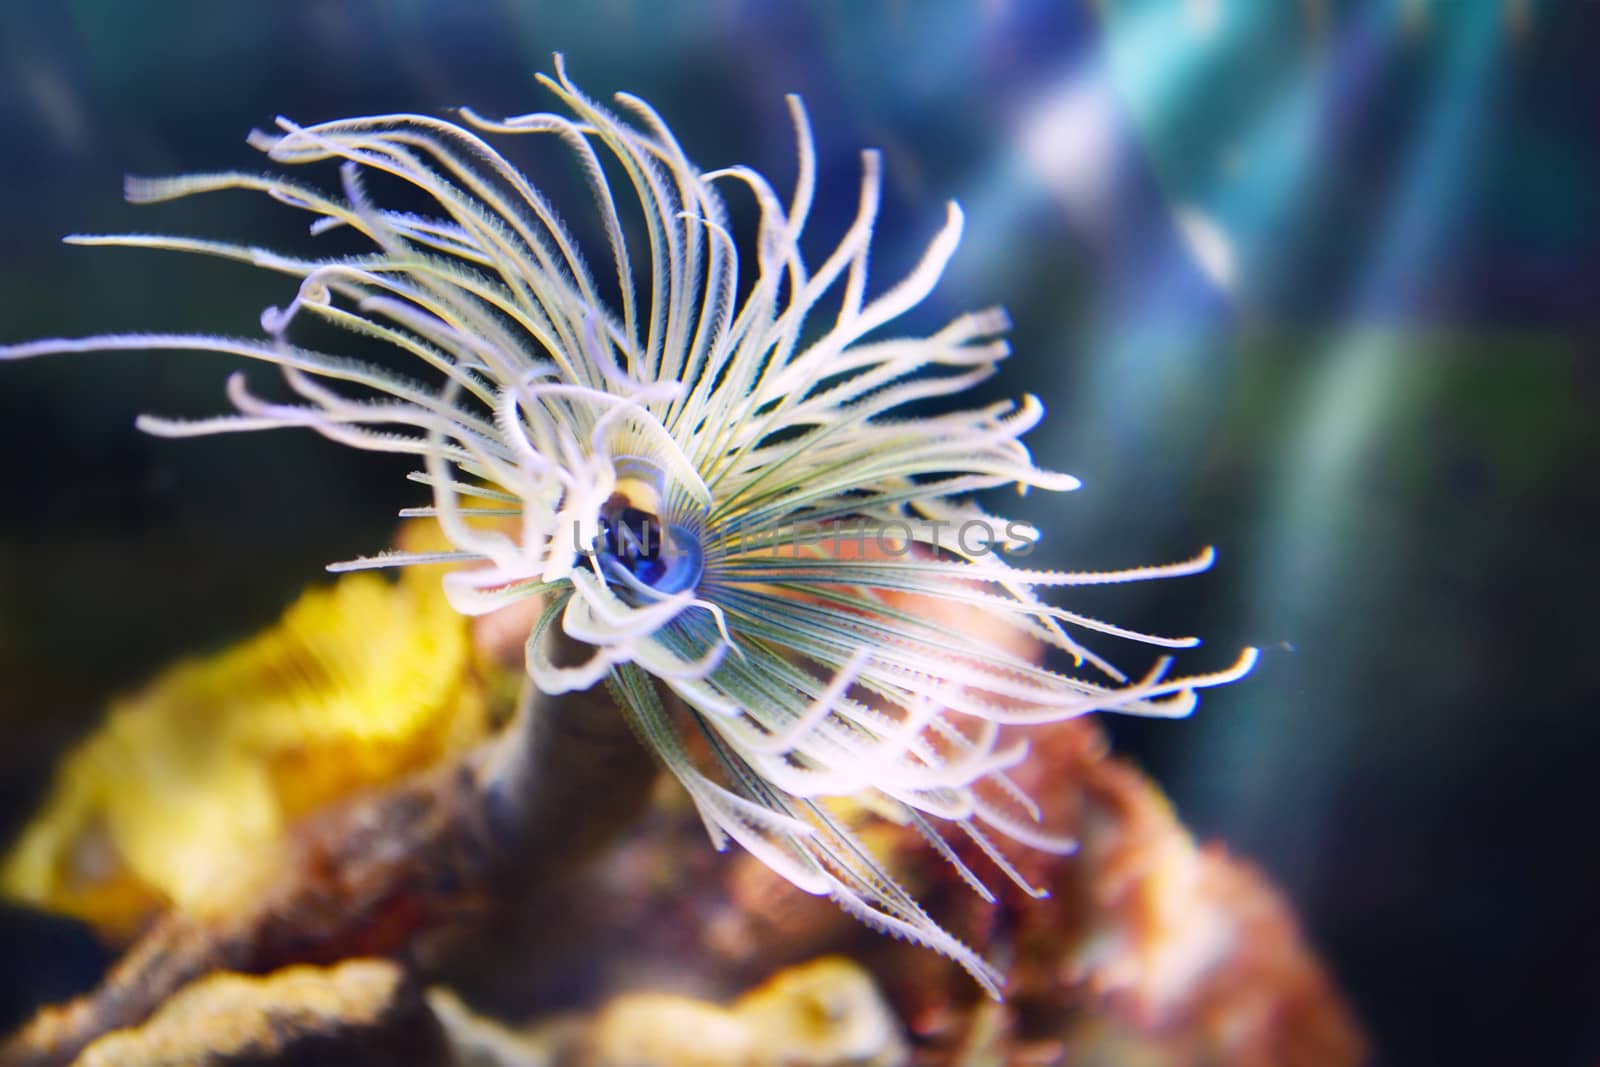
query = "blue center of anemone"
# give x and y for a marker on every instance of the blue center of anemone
(664, 556)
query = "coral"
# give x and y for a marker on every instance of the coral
(386, 873)
(1148, 949)
(820, 1014)
(358, 1013)
(190, 785)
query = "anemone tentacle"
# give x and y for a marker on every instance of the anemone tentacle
(743, 433)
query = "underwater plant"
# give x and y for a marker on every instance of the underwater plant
(724, 500)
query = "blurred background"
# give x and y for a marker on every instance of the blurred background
(1315, 282)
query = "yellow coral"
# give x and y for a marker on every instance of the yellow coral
(819, 1014)
(193, 780)
(359, 1011)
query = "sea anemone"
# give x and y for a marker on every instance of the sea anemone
(726, 499)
